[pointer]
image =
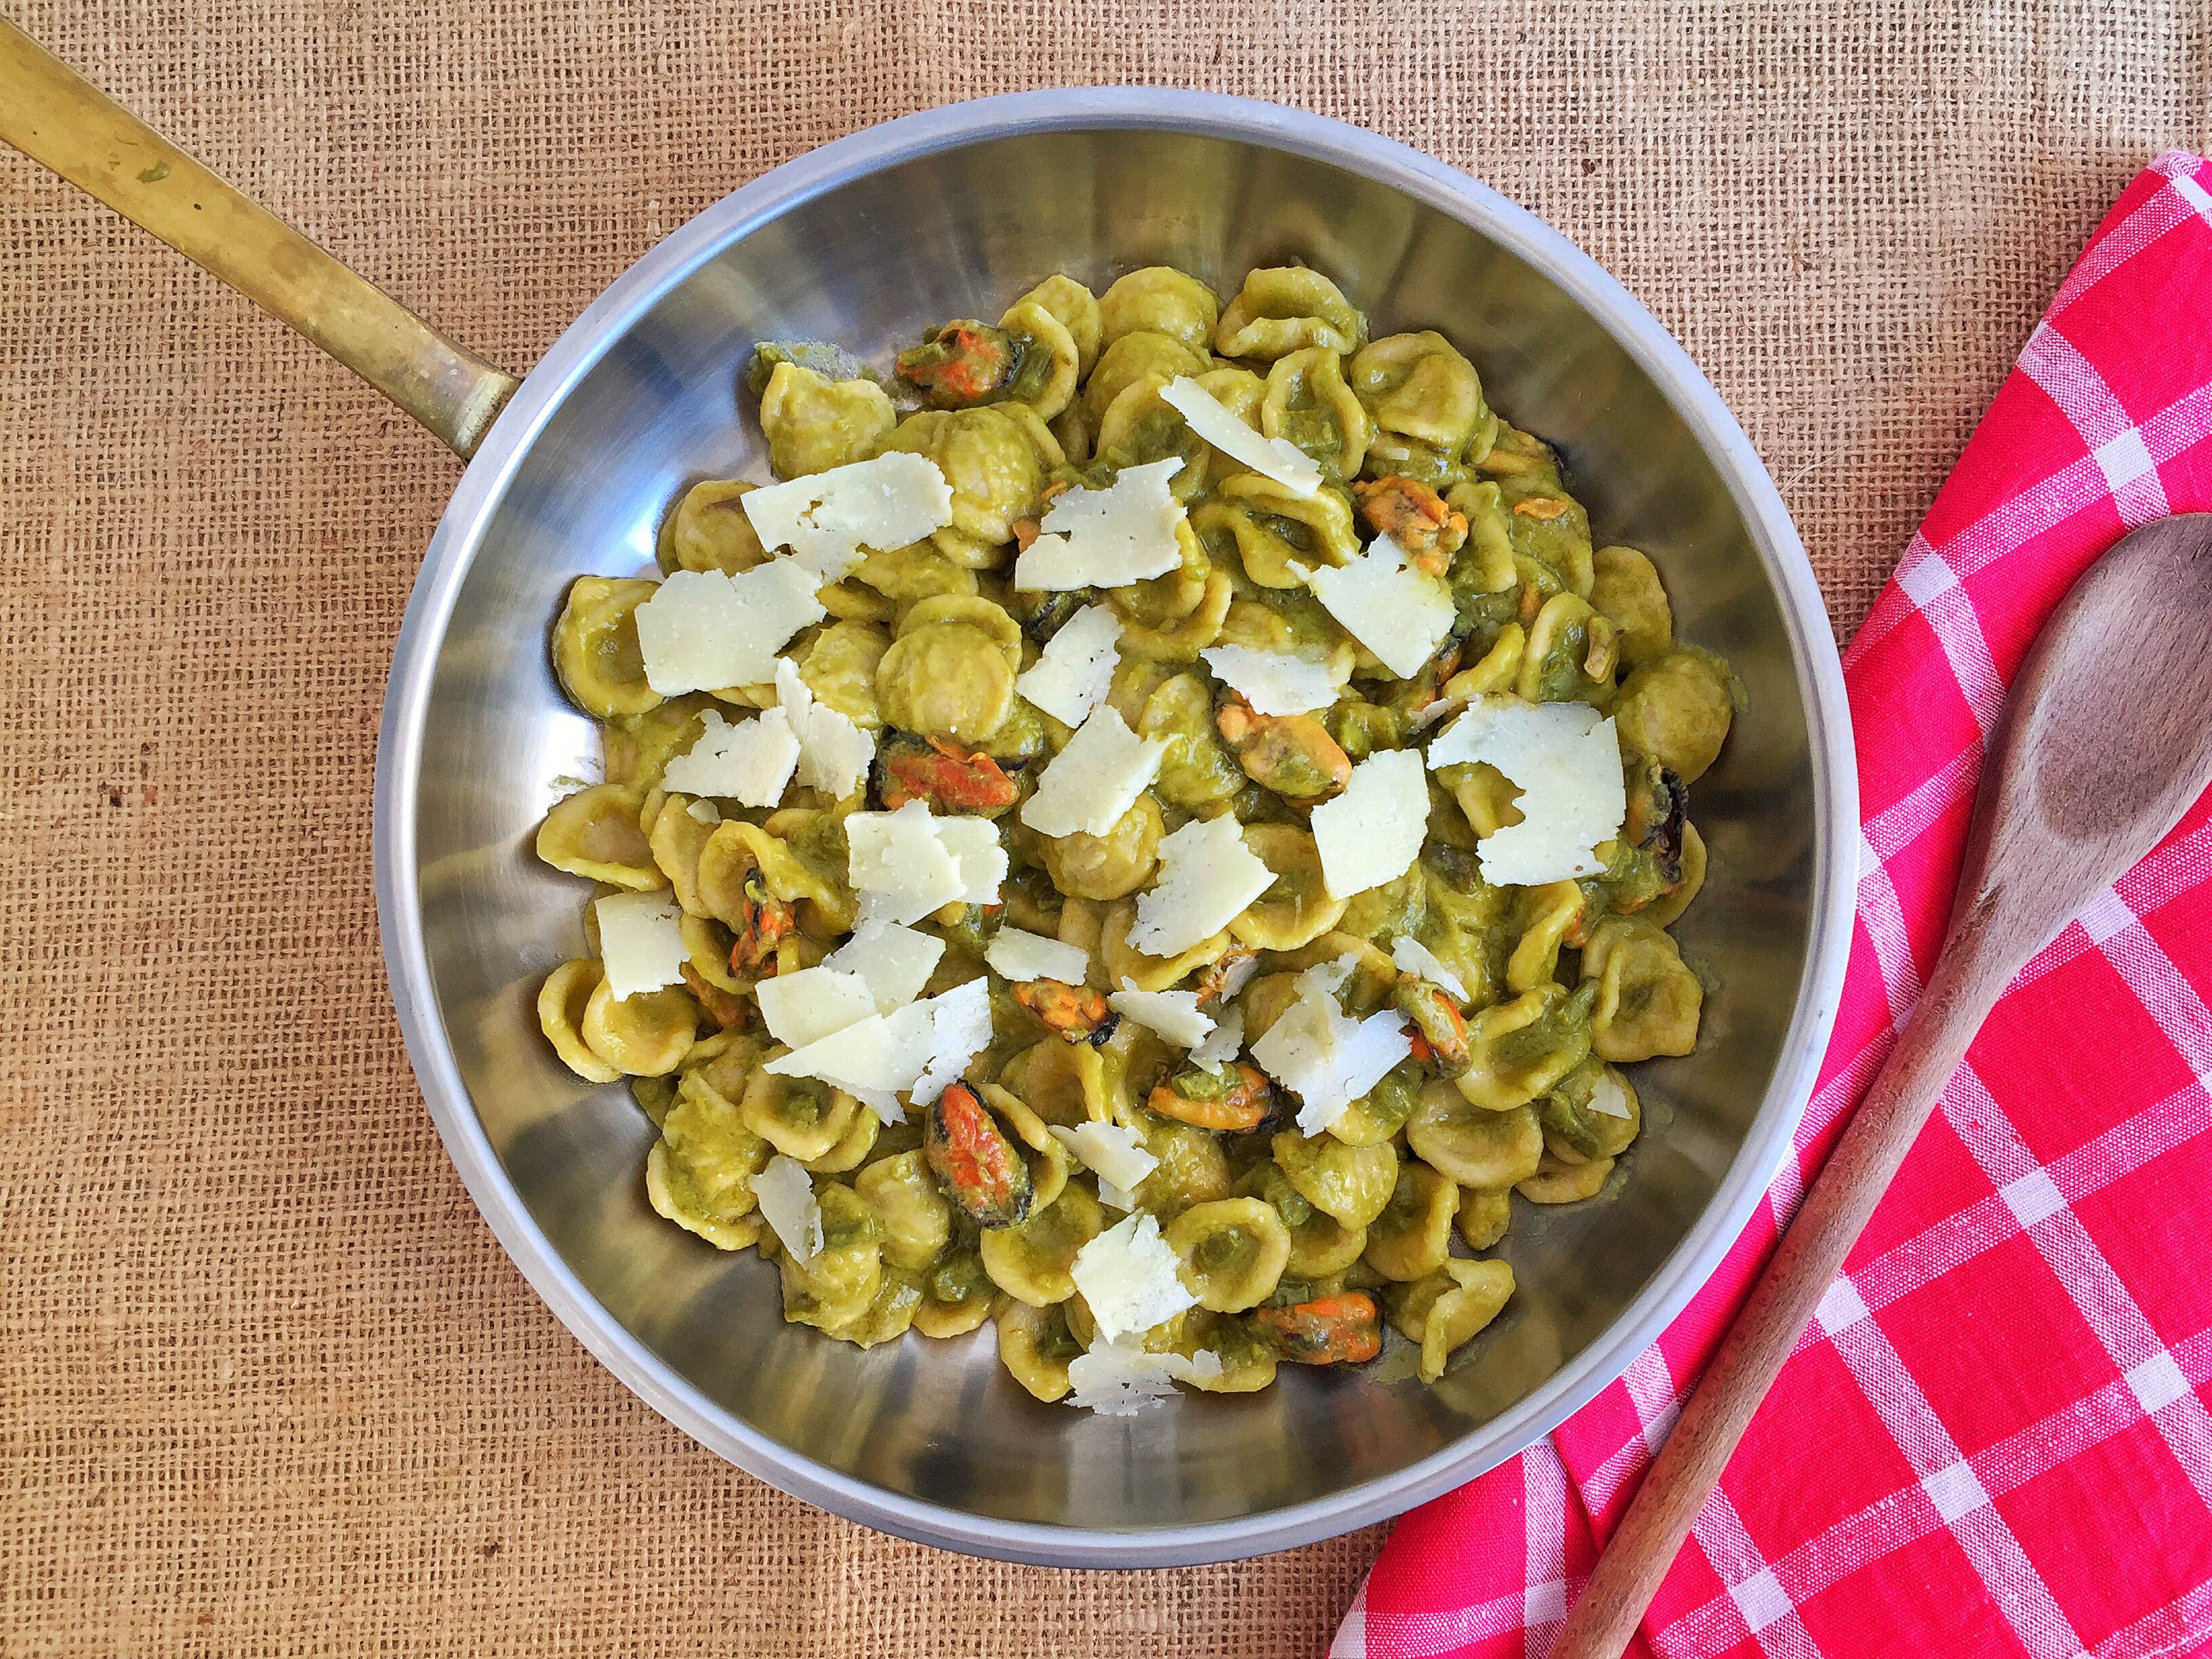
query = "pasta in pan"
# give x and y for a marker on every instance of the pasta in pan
(1200, 851)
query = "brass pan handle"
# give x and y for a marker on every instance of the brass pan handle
(61, 120)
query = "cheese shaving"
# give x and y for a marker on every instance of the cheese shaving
(827, 519)
(1324, 1056)
(896, 962)
(1436, 709)
(1272, 682)
(1372, 832)
(788, 1206)
(1242, 970)
(1285, 462)
(899, 865)
(1400, 614)
(833, 752)
(1208, 877)
(805, 1006)
(1204, 1366)
(960, 1030)
(1018, 955)
(871, 1059)
(917, 1051)
(1173, 1014)
(1107, 538)
(1114, 1154)
(1327, 978)
(1130, 1277)
(701, 811)
(978, 854)
(1565, 761)
(750, 763)
(1412, 957)
(704, 629)
(1076, 669)
(1608, 1098)
(1223, 1043)
(1120, 1379)
(641, 941)
(1096, 778)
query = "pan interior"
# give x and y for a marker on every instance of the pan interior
(869, 262)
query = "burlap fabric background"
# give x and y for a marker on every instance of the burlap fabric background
(266, 1383)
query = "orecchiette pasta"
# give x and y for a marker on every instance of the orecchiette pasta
(1077, 310)
(951, 671)
(1233, 1252)
(595, 647)
(1418, 386)
(1052, 362)
(1297, 909)
(700, 1174)
(812, 424)
(1158, 300)
(1310, 404)
(640, 746)
(1677, 708)
(837, 1284)
(799, 1116)
(991, 459)
(1352, 1184)
(1138, 427)
(1446, 1309)
(1520, 1048)
(909, 1206)
(1320, 1244)
(1647, 1002)
(1130, 358)
(1514, 1006)
(1624, 589)
(595, 834)
(1484, 1216)
(1197, 772)
(1271, 527)
(1411, 1238)
(1288, 309)
(1193, 1167)
(642, 1036)
(1476, 1145)
(1036, 1347)
(707, 530)
(1032, 1261)
(561, 999)
(1379, 1114)
(956, 1294)
(1112, 865)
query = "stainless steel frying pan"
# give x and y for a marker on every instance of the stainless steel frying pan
(865, 242)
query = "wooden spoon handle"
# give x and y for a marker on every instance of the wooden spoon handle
(1805, 1265)
(58, 118)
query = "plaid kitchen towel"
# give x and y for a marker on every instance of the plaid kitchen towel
(1997, 1436)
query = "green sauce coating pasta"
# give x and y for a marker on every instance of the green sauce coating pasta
(1519, 1004)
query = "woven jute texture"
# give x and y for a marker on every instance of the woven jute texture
(267, 1385)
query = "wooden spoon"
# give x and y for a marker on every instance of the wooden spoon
(2106, 741)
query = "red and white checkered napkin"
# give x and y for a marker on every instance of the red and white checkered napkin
(1995, 1438)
